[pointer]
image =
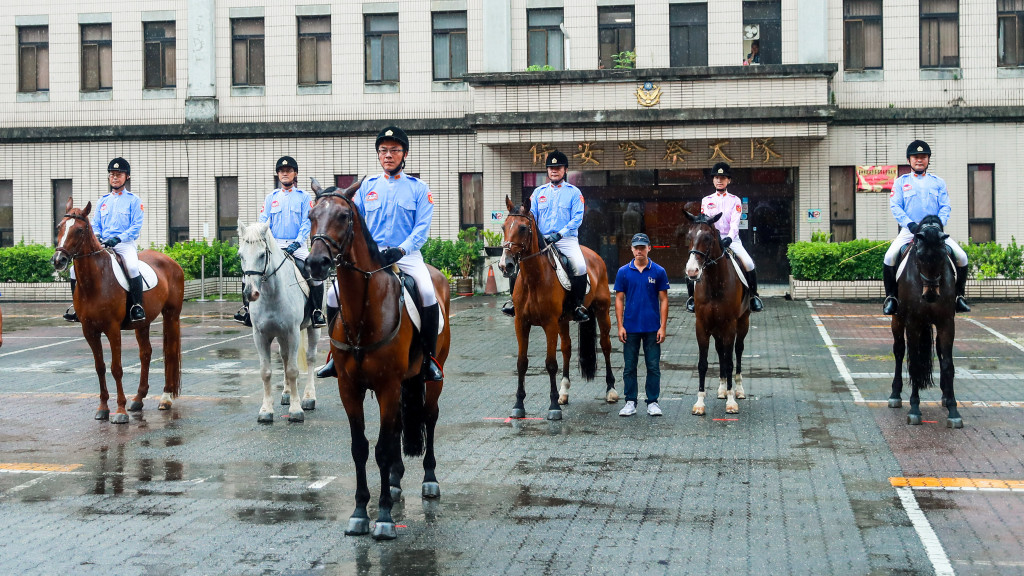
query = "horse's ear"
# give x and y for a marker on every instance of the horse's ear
(69, 205)
(87, 209)
(943, 237)
(350, 192)
(526, 207)
(241, 228)
(508, 204)
(315, 186)
(716, 218)
(918, 235)
(689, 216)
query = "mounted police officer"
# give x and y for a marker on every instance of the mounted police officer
(731, 209)
(286, 209)
(398, 210)
(117, 223)
(557, 206)
(914, 196)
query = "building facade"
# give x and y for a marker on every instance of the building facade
(202, 97)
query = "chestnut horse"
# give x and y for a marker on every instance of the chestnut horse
(101, 306)
(722, 309)
(376, 347)
(539, 300)
(927, 295)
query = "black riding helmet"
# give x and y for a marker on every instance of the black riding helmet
(393, 133)
(287, 162)
(555, 159)
(721, 169)
(119, 165)
(918, 147)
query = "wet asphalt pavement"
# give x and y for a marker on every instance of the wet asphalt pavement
(815, 475)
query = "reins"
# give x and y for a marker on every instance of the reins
(266, 262)
(516, 257)
(78, 256)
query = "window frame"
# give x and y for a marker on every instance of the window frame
(548, 30)
(36, 46)
(770, 52)
(842, 180)
(937, 17)
(863, 20)
(318, 40)
(59, 203)
(972, 220)
(176, 186)
(478, 192)
(448, 34)
(224, 184)
(370, 66)
(1018, 18)
(251, 41)
(166, 55)
(97, 47)
(6, 203)
(615, 28)
(677, 25)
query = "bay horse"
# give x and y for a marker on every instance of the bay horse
(927, 293)
(376, 347)
(540, 300)
(722, 310)
(101, 306)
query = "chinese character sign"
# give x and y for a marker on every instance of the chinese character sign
(629, 150)
(764, 146)
(587, 153)
(674, 151)
(875, 178)
(718, 152)
(540, 152)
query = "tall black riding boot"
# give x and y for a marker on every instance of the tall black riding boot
(137, 313)
(70, 315)
(316, 294)
(891, 304)
(961, 287)
(429, 323)
(327, 370)
(508, 309)
(755, 301)
(690, 307)
(243, 313)
(578, 293)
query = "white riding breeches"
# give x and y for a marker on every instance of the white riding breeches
(129, 253)
(411, 264)
(745, 260)
(301, 254)
(570, 246)
(906, 237)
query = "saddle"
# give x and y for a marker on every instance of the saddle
(560, 262)
(739, 269)
(410, 298)
(149, 277)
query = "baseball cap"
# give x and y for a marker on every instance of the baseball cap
(640, 239)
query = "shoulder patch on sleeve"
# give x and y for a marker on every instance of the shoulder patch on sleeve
(430, 197)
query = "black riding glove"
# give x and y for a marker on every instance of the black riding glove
(913, 227)
(292, 247)
(552, 238)
(112, 241)
(391, 255)
(726, 242)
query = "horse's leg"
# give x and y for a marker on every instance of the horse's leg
(551, 364)
(722, 387)
(397, 472)
(145, 355)
(944, 350)
(309, 394)
(120, 416)
(742, 326)
(96, 344)
(523, 336)
(431, 489)
(702, 370)
(725, 357)
(563, 331)
(605, 324)
(352, 400)
(266, 414)
(899, 350)
(290, 355)
(172, 357)
(914, 415)
(388, 445)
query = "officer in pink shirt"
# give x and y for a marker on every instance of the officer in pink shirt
(731, 207)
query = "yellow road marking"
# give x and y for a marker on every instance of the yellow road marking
(35, 467)
(966, 484)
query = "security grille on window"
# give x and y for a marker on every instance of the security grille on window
(1010, 34)
(381, 32)
(177, 210)
(981, 200)
(61, 192)
(6, 213)
(247, 63)
(471, 200)
(314, 49)
(33, 59)
(940, 34)
(227, 209)
(160, 66)
(450, 55)
(688, 34)
(544, 41)
(762, 26)
(614, 35)
(97, 69)
(862, 34)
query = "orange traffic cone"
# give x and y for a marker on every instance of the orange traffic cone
(491, 287)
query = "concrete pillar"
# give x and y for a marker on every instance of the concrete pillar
(201, 98)
(497, 35)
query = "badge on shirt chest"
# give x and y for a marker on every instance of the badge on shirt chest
(104, 208)
(542, 199)
(650, 280)
(274, 204)
(908, 187)
(711, 205)
(371, 196)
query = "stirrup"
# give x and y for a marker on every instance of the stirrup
(137, 313)
(243, 316)
(70, 315)
(508, 309)
(691, 307)
(755, 303)
(318, 319)
(580, 314)
(890, 306)
(432, 371)
(961, 305)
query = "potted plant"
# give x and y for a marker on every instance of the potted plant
(492, 242)
(468, 248)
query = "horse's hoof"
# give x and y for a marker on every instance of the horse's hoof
(384, 531)
(699, 411)
(286, 399)
(914, 419)
(563, 400)
(135, 406)
(431, 490)
(612, 396)
(396, 493)
(265, 418)
(740, 394)
(118, 418)
(309, 404)
(102, 414)
(518, 413)
(721, 394)
(297, 417)
(554, 414)
(895, 403)
(164, 406)
(955, 423)
(732, 408)
(357, 527)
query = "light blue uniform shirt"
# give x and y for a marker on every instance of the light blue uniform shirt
(558, 208)
(118, 214)
(397, 209)
(288, 215)
(914, 197)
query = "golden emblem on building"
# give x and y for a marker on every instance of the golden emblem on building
(648, 95)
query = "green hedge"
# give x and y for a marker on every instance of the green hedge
(26, 263)
(990, 260)
(188, 255)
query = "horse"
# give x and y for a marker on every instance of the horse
(927, 294)
(721, 307)
(101, 307)
(277, 306)
(539, 300)
(376, 347)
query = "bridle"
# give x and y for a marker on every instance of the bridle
(706, 258)
(517, 256)
(335, 250)
(930, 283)
(266, 262)
(76, 256)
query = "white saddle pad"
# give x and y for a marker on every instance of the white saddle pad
(739, 269)
(906, 258)
(563, 276)
(414, 314)
(149, 280)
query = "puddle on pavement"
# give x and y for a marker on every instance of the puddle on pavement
(934, 501)
(265, 515)
(228, 353)
(876, 513)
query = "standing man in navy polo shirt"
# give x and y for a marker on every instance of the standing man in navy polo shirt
(641, 308)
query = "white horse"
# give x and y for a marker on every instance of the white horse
(277, 306)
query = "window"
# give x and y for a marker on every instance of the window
(160, 66)
(6, 213)
(314, 50)
(862, 34)
(762, 32)
(471, 200)
(381, 48)
(450, 55)
(1010, 34)
(97, 71)
(544, 38)
(940, 34)
(177, 210)
(247, 52)
(688, 34)
(227, 209)
(614, 34)
(343, 181)
(33, 59)
(842, 182)
(61, 193)
(981, 200)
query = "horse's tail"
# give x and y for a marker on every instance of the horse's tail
(919, 359)
(588, 347)
(414, 415)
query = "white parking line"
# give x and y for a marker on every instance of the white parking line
(321, 483)
(61, 343)
(932, 546)
(843, 371)
(1002, 337)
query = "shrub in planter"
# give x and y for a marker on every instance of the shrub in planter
(27, 263)
(854, 260)
(989, 260)
(189, 256)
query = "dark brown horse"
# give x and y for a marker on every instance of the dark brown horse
(376, 348)
(539, 300)
(101, 307)
(722, 310)
(927, 296)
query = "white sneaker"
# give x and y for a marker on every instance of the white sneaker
(629, 409)
(653, 409)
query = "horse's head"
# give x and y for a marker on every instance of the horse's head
(704, 244)
(74, 235)
(932, 260)
(254, 245)
(333, 218)
(520, 237)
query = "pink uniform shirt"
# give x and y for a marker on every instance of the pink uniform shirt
(731, 208)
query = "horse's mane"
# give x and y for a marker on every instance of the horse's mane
(702, 219)
(932, 220)
(521, 211)
(371, 244)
